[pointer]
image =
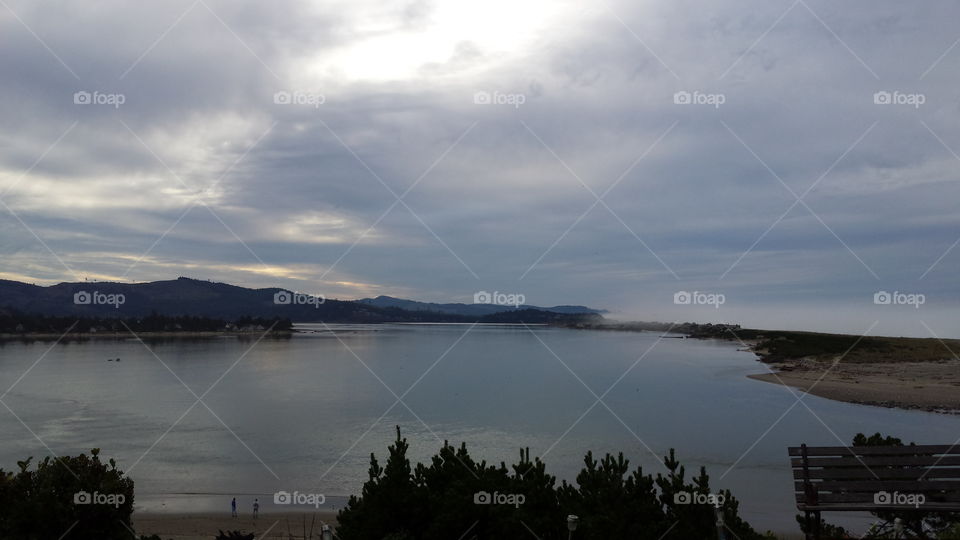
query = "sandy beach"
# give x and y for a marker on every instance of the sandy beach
(931, 386)
(205, 526)
(277, 525)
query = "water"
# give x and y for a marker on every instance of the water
(305, 412)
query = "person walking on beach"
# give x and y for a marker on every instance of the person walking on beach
(233, 507)
(256, 508)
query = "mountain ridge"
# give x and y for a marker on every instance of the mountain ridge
(203, 298)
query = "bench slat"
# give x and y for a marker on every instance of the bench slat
(872, 486)
(877, 461)
(867, 499)
(865, 507)
(920, 449)
(882, 472)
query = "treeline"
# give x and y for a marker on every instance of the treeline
(13, 322)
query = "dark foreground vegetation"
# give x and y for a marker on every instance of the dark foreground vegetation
(455, 496)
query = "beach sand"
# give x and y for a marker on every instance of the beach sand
(931, 386)
(206, 525)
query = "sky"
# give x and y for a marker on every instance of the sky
(787, 161)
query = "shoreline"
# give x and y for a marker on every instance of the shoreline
(270, 525)
(206, 525)
(883, 371)
(924, 386)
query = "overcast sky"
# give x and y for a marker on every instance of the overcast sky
(575, 152)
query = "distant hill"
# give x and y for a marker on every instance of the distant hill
(470, 310)
(192, 297)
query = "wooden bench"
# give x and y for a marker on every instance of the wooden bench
(920, 478)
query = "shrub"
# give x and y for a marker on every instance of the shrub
(440, 501)
(41, 504)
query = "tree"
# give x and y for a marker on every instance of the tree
(456, 497)
(91, 499)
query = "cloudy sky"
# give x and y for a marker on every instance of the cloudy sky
(795, 157)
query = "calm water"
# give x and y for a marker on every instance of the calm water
(305, 413)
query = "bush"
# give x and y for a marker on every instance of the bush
(440, 501)
(40, 504)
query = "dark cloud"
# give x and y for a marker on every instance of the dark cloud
(500, 191)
